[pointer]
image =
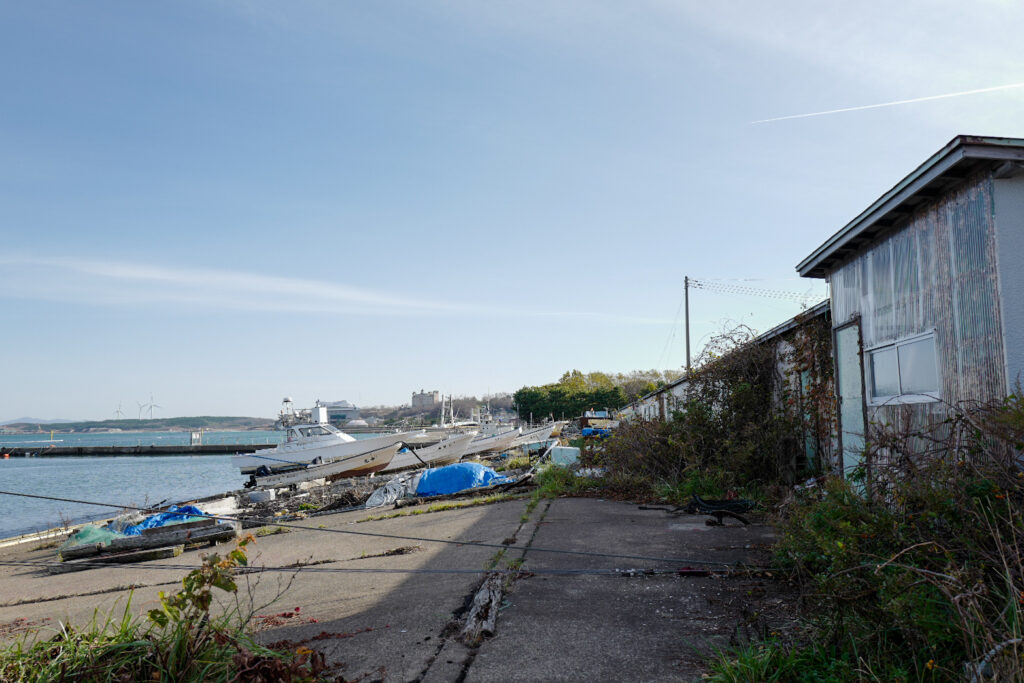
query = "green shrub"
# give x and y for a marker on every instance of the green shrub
(555, 480)
(179, 641)
(926, 575)
(772, 660)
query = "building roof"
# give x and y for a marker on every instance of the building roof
(946, 168)
(813, 312)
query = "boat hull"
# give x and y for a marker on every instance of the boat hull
(351, 466)
(491, 444)
(448, 451)
(326, 451)
(536, 435)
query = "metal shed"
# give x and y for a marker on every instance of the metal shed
(927, 290)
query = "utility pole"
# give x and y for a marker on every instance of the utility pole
(686, 299)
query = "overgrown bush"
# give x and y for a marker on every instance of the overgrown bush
(179, 641)
(923, 578)
(743, 425)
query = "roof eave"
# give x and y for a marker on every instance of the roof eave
(868, 224)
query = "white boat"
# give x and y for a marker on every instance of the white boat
(442, 453)
(308, 444)
(430, 436)
(537, 434)
(351, 466)
(494, 443)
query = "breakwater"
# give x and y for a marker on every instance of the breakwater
(150, 449)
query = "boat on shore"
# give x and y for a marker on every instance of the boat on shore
(443, 452)
(492, 444)
(538, 434)
(316, 444)
(351, 466)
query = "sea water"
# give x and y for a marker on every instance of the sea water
(42, 440)
(138, 481)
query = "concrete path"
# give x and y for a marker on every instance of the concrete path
(390, 608)
(635, 628)
(560, 626)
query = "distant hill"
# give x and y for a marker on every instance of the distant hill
(208, 422)
(34, 420)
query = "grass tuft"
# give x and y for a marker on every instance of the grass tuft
(178, 641)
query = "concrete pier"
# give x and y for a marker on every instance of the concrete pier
(67, 451)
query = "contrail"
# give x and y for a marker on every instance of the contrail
(892, 104)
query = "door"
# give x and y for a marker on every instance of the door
(850, 395)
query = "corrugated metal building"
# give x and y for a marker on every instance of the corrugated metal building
(796, 386)
(657, 405)
(661, 403)
(927, 290)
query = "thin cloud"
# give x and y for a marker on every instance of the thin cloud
(929, 98)
(111, 283)
(118, 282)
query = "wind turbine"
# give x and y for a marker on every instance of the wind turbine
(151, 406)
(142, 406)
(118, 414)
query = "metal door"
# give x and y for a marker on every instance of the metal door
(850, 395)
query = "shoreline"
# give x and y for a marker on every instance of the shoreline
(74, 526)
(115, 451)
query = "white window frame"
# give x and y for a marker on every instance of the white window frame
(869, 383)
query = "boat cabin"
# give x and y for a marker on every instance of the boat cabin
(310, 431)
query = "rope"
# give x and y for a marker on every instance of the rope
(362, 570)
(398, 537)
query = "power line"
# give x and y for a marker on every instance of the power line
(672, 333)
(447, 541)
(723, 288)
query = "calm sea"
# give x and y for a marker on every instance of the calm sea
(42, 439)
(129, 480)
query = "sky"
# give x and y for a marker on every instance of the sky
(213, 205)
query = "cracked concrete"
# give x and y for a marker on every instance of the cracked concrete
(392, 626)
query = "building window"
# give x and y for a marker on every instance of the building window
(905, 371)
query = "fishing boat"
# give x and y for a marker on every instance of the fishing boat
(537, 434)
(350, 466)
(316, 444)
(442, 453)
(494, 443)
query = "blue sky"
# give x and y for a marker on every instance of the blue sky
(222, 203)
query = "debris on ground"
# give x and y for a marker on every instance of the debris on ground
(732, 507)
(137, 538)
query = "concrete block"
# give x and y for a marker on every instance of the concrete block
(262, 496)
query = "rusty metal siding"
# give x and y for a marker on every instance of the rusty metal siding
(937, 272)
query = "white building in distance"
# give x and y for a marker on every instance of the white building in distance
(340, 412)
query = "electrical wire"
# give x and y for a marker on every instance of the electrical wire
(672, 332)
(723, 288)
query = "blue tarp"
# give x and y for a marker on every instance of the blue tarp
(457, 477)
(593, 431)
(174, 515)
